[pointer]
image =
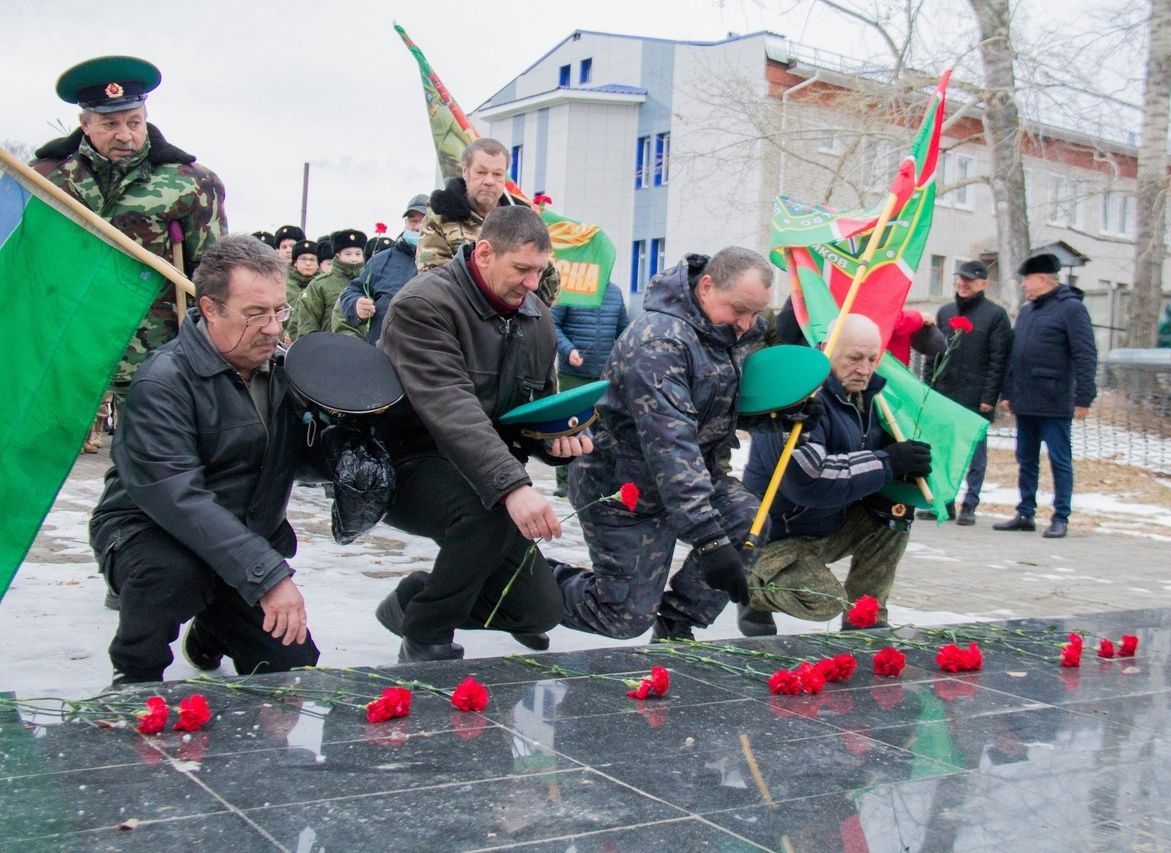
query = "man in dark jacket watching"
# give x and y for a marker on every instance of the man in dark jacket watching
(470, 341)
(1050, 382)
(192, 520)
(973, 371)
(585, 337)
(828, 506)
(669, 412)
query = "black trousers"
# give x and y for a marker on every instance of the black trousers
(479, 549)
(160, 585)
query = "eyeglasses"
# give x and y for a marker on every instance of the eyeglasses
(260, 320)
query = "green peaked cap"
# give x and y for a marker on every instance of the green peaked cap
(109, 83)
(558, 414)
(779, 377)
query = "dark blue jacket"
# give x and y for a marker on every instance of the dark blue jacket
(383, 277)
(838, 465)
(1054, 357)
(590, 331)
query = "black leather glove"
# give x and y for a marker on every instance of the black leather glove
(723, 569)
(808, 412)
(909, 459)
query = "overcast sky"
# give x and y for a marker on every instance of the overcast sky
(255, 89)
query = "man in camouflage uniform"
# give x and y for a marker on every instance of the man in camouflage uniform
(313, 311)
(669, 412)
(122, 168)
(458, 211)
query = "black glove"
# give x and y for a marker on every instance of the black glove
(723, 569)
(808, 412)
(909, 459)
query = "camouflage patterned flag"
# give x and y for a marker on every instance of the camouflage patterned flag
(583, 254)
(71, 302)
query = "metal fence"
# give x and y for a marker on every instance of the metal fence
(1130, 422)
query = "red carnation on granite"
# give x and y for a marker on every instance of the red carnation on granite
(470, 695)
(1071, 652)
(628, 494)
(154, 719)
(889, 661)
(837, 668)
(656, 684)
(394, 702)
(811, 680)
(193, 713)
(952, 658)
(1105, 648)
(961, 325)
(864, 613)
(1129, 646)
(784, 681)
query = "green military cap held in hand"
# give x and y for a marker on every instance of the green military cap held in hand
(778, 377)
(109, 83)
(566, 413)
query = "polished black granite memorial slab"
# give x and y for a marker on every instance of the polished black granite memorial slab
(1022, 755)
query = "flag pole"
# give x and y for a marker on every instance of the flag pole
(899, 435)
(774, 485)
(93, 223)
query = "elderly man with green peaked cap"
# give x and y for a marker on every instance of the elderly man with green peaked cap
(123, 169)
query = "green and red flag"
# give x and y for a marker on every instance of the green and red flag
(71, 302)
(901, 245)
(583, 254)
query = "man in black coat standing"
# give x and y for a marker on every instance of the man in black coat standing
(973, 370)
(1050, 381)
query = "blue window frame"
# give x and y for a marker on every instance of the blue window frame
(563, 75)
(587, 67)
(638, 276)
(662, 158)
(658, 256)
(642, 163)
(514, 169)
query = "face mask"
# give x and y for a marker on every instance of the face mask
(411, 238)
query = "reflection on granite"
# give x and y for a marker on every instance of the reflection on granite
(1022, 755)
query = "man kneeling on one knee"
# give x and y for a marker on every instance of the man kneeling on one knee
(828, 506)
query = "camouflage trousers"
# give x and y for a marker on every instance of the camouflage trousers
(627, 586)
(158, 327)
(791, 575)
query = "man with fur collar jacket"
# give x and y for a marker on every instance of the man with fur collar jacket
(458, 211)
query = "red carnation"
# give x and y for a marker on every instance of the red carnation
(1071, 655)
(642, 691)
(628, 494)
(962, 325)
(837, 668)
(193, 713)
(811, 680)
(784, 681)
(889, 661)
(655, 685)
(394, 702)
(864, 613)
(470, 695)
(154, 718)
(952, 658)
(1105, 648)
(540, 200)
(379, 227)
(1129, 646)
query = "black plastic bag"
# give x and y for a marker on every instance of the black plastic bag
(363, 481)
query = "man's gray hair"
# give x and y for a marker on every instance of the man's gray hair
(226, 254)
(491, 147)
(727, 265)
(508, 228)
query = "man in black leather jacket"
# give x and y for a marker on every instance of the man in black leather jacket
(192, 520)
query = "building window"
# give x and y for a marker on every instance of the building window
(1065, 202)
(885, 157)
(587, 67)
(956, 169)
(827, 143)
(563, 75)
(638, 275)
(1118, 213)
(658, 255)
(935, 284)
(642, 163)
(662, 158)
(514, 169)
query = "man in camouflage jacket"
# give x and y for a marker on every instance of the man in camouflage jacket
(458, 211)
(669, 412)
(122, 168)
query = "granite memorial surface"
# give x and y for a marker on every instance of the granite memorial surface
(1023, 754)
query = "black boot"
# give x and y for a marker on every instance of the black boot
(1017, 522)
(665, 630)
(412, 652)
(390, 614)
(200, 651)
(755, 623)
(536, 642)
